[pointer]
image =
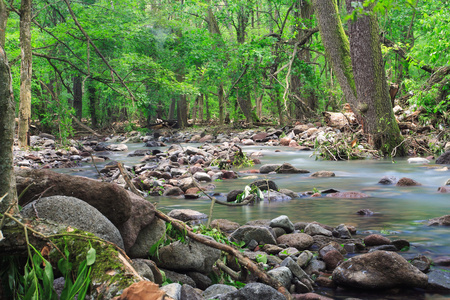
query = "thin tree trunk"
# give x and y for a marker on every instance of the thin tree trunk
(92, 91)
(208, 112)
(4, 14)
(25, 73)
(7, 108)
(172, 109)
(221, 104)
(78, 97)
(200, 107)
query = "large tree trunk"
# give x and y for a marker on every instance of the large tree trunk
(7, 108)
(182, 111)
(78, 97)
(173, 103)
(337, 48)
(25, 73)
(370, 79)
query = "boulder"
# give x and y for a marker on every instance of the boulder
(110, 199)
(283, 275)
(418, 160)
(260, 137)
(254, 291)
(147, 237)
(379, 270)
(143, 213)
(190, 256)
(388, 180)
(444, 159)
(439, 280)
(407, 182)
(320, 174)
(218, 289)
(232, 195)
(348, 195)
(173, 191)
(225, 225)
(186, 215)
(287, 168)
(315, 229)
(75, 213)
(267, 168)
(265, 185)
(444, 189)
(172, 290)
(274, 196)
(117, 147)
(441, 221)
(189, 293)
(246, 233)
(376, 240)
(283, 222)
(201, 280)
(300, 241)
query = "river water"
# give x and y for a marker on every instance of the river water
(400, 212)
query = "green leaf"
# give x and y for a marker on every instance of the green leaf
(90, 257)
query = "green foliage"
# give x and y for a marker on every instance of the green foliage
(261, 258)
(249, 190)
(171, 234)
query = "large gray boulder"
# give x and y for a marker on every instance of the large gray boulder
(379, 270)
(147, 238)
(439, 280)
(189, 256)
(283, 275)
(254, 291)
(217, 289)
(444, 159)
(246, 233)
(283, 222)
(264, 185)
(265, 169)
(75, 213)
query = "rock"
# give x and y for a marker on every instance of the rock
(341, 231)
(283, 275)
(152, 144)
(315, 266)
(143, 269)
(285, 141)
(379, 270)
(265, 169)
(347, 195)
(439, 280)
(422, 263)
(332, 259)
(407, 182)
(296, 270)
(143, 290)
(418, 160)
(139, 152)
(187, 183)
(254, 291)
(172, 290)
(246, 233)
(288, 252)
(248, 142)
(192, 193)
(147, 237)
(289, 193)
(300, 241)
(315, 229)
(117, 147)
(217, 289)
(173, 191)
(287, 168)
(300, 128)
(110, 199)
(232, 195)
(225, 225)
(202, 176)
(201, 281)
(441, 221)
(260, 137)
(388, 180)
(189, 293)
(400, 244)
(75, 213)
(323, 174)
(283, 222)
(143, 214)
(444, 189)
(313, 296)
(183, 279)
(191, 256)
(264, 185)
(447, 182)
(365, 212)
(304, 258)
(274, 196)
(444, 159)
(376, 240)
(186, 215)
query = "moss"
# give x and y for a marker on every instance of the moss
(107, 270)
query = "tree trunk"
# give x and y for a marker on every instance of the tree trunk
(173, 104)
(208, 112)
(78, 97)
(7, 108)
(92, 92)
(221, 102)
(200, 107)
(370, 79)
(4, 14)
(182, 111)
(337, 48)
(25, 73)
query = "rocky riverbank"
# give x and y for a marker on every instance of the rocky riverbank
(303, 258)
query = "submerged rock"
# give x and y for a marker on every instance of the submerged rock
(441, 221)
(407, 182)
(379, 270)
(347, 195)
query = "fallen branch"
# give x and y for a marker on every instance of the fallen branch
(128, 181)
(244, 261)
(84, 126)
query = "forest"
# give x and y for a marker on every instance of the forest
(216, 62)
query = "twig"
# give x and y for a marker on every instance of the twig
(128, 181)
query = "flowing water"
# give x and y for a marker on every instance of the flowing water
(400, 212)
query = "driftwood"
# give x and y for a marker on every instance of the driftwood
(244, 261)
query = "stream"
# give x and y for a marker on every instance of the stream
(399, 212)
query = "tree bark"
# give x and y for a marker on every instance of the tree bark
(25, 73)
(4, 14)
(370, 80)
(78, 97)
(92, 92)
(7, 108)
(337, 48)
